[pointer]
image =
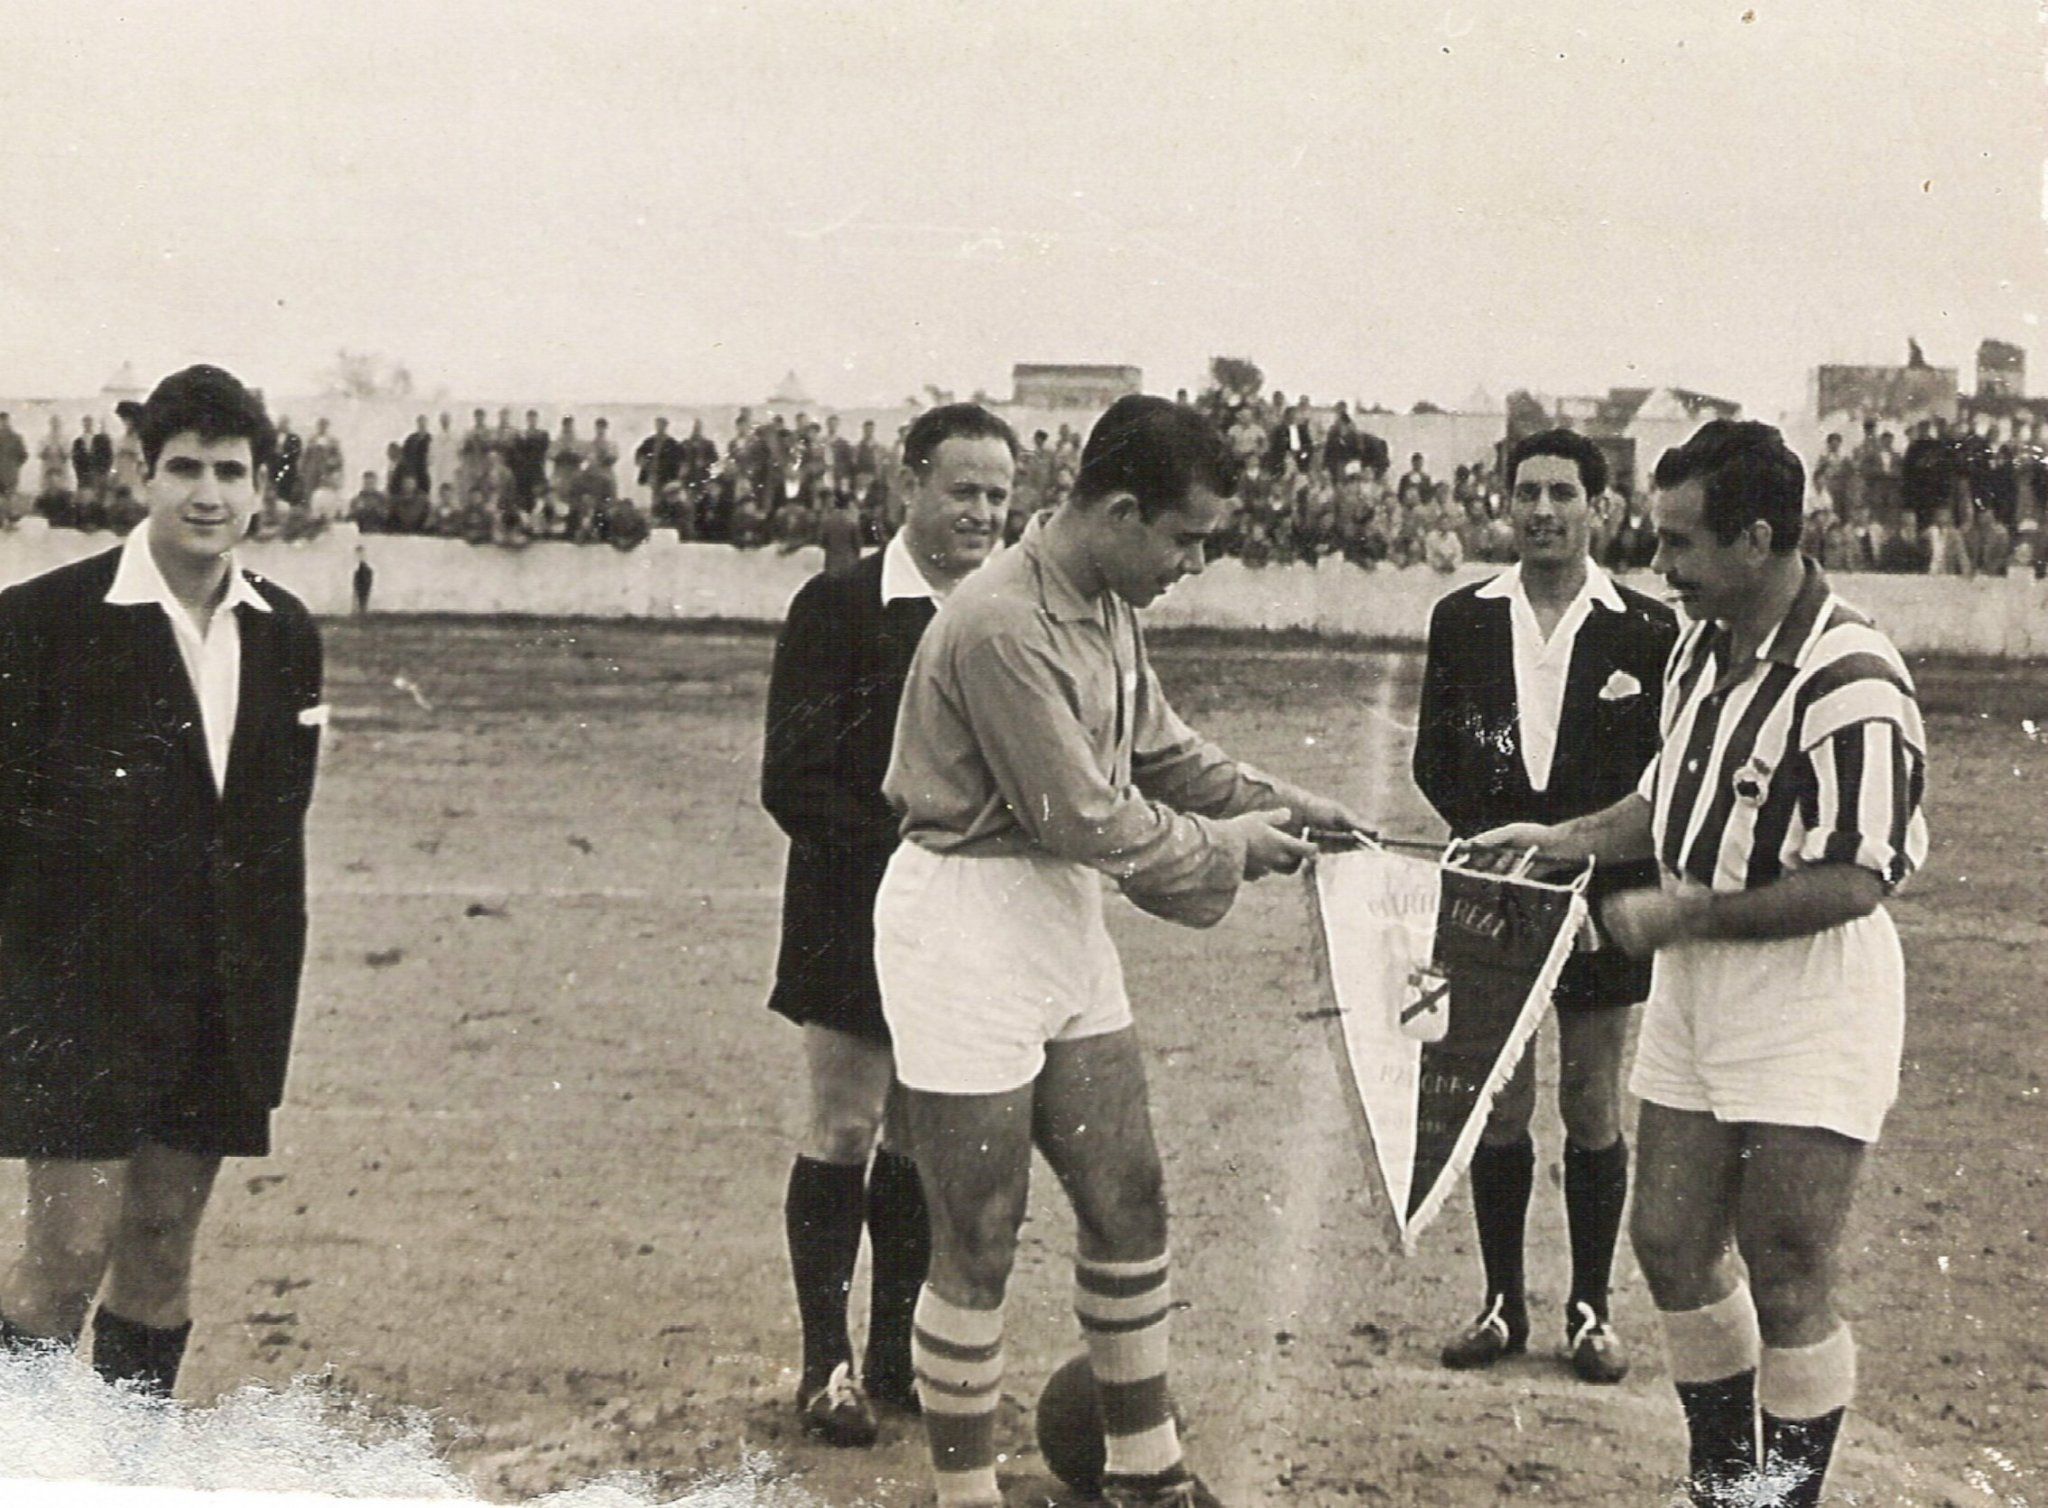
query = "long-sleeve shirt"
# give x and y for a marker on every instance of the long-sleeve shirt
(1032, 722)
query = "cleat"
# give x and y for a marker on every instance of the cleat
(1485, 1341)
(839, 1413)
(1594, 1352)
(1180, 1489)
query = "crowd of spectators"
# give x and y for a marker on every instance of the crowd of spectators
(90, 480)
(1963, 499)
(1312, 489)
(1958, 500)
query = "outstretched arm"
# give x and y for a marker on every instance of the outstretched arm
(1613, 835)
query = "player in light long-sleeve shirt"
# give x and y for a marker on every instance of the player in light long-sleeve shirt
(1035, 754)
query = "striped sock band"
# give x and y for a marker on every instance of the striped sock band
(1123, 1308)
(958, 1354)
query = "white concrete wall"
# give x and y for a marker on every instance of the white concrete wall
(665, 578)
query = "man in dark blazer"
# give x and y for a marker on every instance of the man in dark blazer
(840, 664)
(1539, 702)
(160, 722)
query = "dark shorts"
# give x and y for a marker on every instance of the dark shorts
(825, 971)
(177, 1088)
(1605, 979)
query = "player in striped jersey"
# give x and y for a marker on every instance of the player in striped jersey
(1783, 805)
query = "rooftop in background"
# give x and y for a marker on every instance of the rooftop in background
(1075, 385)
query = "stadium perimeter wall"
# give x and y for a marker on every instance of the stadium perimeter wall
(668, 579)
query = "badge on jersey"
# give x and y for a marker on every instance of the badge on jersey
(1439, 973)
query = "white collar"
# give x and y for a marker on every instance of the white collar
(900, 575)
(137, 580)
(1599, 587)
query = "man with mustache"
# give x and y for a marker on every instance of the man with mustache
(1783, 806)
(160, 723)
(1539, 701)
(1035, 754)
(838, 675)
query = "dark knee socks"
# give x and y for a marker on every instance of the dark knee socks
(123, 1350)
(15, 1339)
(1502, 1178)
(126, 1350)
(822, 1218)
(1595, 1190)
(899, 1239)
(1802, 1392)
(1720, 1423)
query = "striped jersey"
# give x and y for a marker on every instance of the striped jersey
(1811, 753)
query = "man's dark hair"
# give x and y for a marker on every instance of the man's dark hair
(953, 421)
(1566, 445)
(1158, 451)
(207, 402)
(1746, 473)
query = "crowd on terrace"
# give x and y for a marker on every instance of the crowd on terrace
(1961, 499)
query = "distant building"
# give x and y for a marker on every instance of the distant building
(1631, 425)
(790, 393)
(1072, 386)
(1904, 395)
(2001, 370)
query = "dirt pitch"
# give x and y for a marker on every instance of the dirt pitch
(530, 1171)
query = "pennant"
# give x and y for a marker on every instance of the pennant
(1439, 975)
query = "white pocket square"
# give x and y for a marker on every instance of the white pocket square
(315, 716)
(1620, 686)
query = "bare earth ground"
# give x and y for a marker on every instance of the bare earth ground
(529, 1175)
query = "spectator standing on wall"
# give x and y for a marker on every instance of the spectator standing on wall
(1879, 468)
(1924, 472)
(92, 461)
(602, 457)
(2030, 478)
(287, 474)
(322, 459)
(472, 454)
(54, 456)
(838, 457)
(528, 455)
(867, 455)
(13, 456)
(658, 460)
(444, 457)
(415, 456)
(1373, 456)
(1292, 439)
(1340, 445)
(699, 460)
(1415, 486)
(1831, 473)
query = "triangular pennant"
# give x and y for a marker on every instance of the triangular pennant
(1438, 975)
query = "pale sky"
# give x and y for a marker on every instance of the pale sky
(679, 202)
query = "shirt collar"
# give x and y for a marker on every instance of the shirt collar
(1791, 639)
(1063, 600)
(137, 579)
(900, 576)
(1795, 633)
(1599, 587)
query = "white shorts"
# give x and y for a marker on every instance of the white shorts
(984, 960)
(1799, 1031)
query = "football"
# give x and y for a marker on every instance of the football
(1069, 1422)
